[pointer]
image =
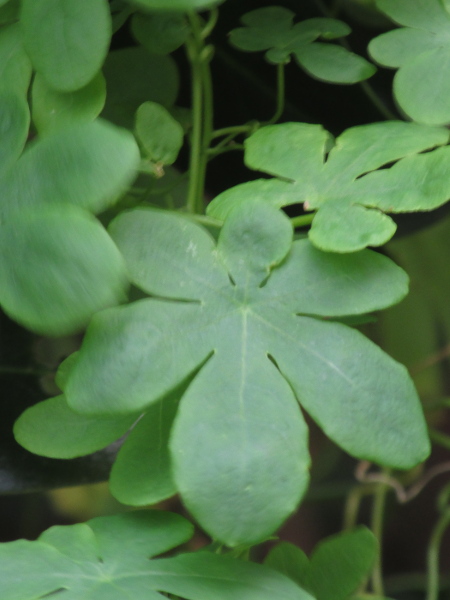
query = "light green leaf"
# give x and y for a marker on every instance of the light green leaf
(160, 33)
(343, 180)
(237, 334)
(14, 125)
(134, 76)
(64, 369)
(108, 558)
(88, 164)
(66, 41)
(176, 5)
(142, 472)
(271, 28)
(421, 52)
(15, 66)
(159, 133)
(54, 110)
(54, 283)
(52, 429)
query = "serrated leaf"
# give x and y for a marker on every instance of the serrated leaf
(176, 5)
(160, 33)
(235, 307)
(343, 180)
(53, 110)
(88, 164)
(15, 66)
(14, 126)
(134, 76)
(50, 428)
(53, 283)
(66, 41)
(271, 28)
(421, 52)
(160, 135)
(108, 557)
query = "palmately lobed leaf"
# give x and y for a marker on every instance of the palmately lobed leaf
(344, 180)
(113, 557)
(242, 326)
(420, 50)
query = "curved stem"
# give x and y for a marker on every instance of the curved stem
(378, 507)
(281, 95)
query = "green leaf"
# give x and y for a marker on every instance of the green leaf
(9, 12)
(108, 557)
(286, 558)
(53, 283)
(176, 5)
(234, 306)
(160, 33)
(142, 472)
(421, 52)
(52, 429)
(271, 28)
(342, 180)
(14, 125)
(159, 133)
(15, 66)
(54, 110)
(67, 41)
(134, 76)
(88, 164)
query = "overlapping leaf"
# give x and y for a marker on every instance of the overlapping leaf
(160, 135)
(176, 5)
(15, 66)
(338, 566)
(14, 125)
(250, 449)
(342, 179)
(271, 28)
(160, 33)
(66, 41)
(111, 557)
(420, 50)
(58, 265)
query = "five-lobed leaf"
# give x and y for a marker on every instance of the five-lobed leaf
(66, 41)
(420, 50)
(271, 28)
(236, 306)
(342, 180)
(112, 557)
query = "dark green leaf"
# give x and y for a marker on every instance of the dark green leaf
(176, 5)
(159, 133)
(421, 52)
(88, 164)
(160, 33)
(67, 41)
(134, 76)
(54, 110)
(271, 28)
(240, 301)
(58, 267)
(108, 558)
(343, 181)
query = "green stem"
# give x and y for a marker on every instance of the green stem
(377, 102)
(302, 220)
(439, 438)
(379, 503)
(281, 95)
(234, 130)
(435, 544)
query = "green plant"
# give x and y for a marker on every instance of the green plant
(207, 327)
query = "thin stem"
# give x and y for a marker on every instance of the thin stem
(281, 95)
(302, 220)
(379, 503)
(211, 23)
(377, 102)
(435, 545)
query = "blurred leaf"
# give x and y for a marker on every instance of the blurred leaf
(421, 52)
(52, 429)
(159, 133)
(241, 400)
(53, 283)
(66, 41)
(88, 164)
(9, 11)
(108, 557)
(134, 76)
(271, 28)
(14, 124)
(160, 33)
(291, 561)
(176, 5)
(348, 189)
(15, 66)
(54, 110)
